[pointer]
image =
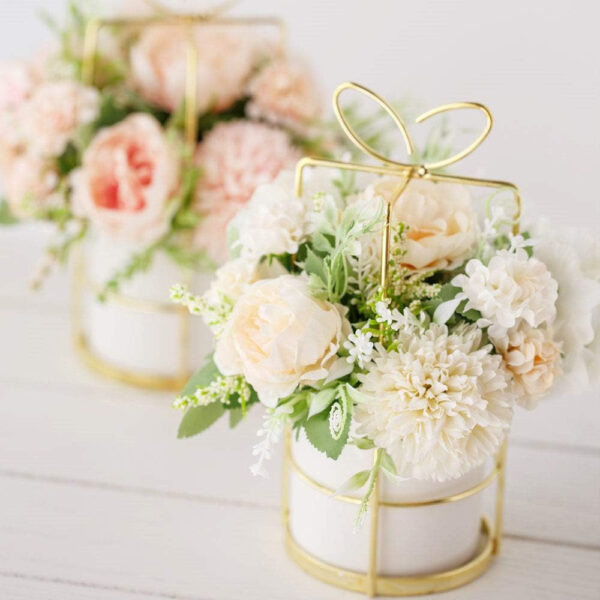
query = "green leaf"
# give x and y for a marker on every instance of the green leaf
(199, 418)
(202, 377)
(387, 463)
(364, 443)
(319, 435)
(68, 160)
(236, 415)
(321, 400)
(313, 265)
(6, 217)
(355, 482)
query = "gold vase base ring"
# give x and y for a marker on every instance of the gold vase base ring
(396, 586)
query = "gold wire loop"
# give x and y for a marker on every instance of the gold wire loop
(489, 121)
(351, 132)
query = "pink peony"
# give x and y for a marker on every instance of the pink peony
(54, 112)
(235, 159)
(17, 81)
(285, 93)
(226, 57)
(30, 185)
(129, 172)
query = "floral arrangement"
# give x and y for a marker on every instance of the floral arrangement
(111, 157)
(474, 320)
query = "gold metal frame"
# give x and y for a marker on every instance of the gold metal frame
(370, 582)
(80, 284)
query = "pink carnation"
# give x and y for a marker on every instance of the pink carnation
(235, 159)
(285, 92)
(54, 112)
(129, 173)
(226, 57)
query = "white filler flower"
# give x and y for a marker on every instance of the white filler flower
(440, 405)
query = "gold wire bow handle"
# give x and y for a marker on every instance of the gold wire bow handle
(165, 17)
(403, 170)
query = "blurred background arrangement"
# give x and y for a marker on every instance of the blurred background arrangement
(99, 500)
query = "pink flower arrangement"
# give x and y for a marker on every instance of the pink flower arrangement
(235, 159)
(128, 175)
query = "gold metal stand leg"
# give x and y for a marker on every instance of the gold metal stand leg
(500, 485)
(374, 537)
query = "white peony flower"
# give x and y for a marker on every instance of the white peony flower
(273, 221)
(511, 287)
(440, 405)
(533, 357)
(573, 258)
(279, 336)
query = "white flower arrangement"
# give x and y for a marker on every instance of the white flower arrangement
(473, 321)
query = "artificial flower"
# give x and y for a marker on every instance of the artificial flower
(279, 337)
(226, 57)
(442, 227)
(573, 258)
(440, 404)
(533, 357)
(235, 159)
(52, 115)
(128, 175)
(510, 287)
(284, 93)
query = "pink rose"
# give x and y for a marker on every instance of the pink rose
(226, 57)
(235, 159)
(129, 172)
(54, 112)
(29, 185)
(285, 93)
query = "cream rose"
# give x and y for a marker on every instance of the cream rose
(279, 336)
(442, 225)
(533, 357)
(226, 57)
(54, 112)
(129, 172)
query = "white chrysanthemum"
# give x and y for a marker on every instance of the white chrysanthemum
(440, 405)
(573, 258)
(511, 287)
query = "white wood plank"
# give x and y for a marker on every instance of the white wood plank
(188, 549)
(16, 586)
(128, 441)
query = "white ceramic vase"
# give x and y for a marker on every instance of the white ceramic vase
(139, 330)
(412, 541)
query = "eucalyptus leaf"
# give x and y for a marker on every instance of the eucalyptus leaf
(313, 265)
(364, 443)
(6, 217)
(236, 415)
(199, 418)
(387, 464)
(321, 400)
(355, 482)
(202, 377)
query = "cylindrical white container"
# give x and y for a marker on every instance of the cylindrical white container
(139, 330)
(412, 541)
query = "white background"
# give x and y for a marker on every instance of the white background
(98, 500)
(534, 63)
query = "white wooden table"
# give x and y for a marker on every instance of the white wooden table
(98, 500)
